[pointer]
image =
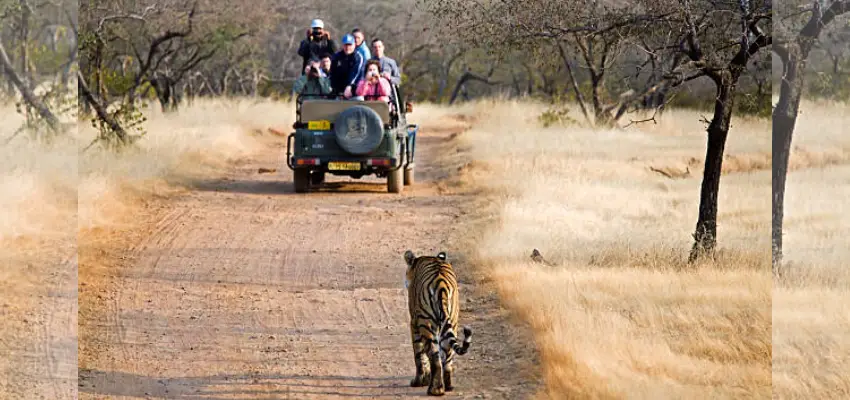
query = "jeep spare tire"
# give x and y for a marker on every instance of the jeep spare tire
(359, 130)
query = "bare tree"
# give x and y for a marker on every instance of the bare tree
(793, 49)
(723, 62)
(21, 24)
(681, 40)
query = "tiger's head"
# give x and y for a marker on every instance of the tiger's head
(411, 261)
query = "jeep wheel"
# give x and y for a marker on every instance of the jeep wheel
(395, 181)
(408, 176)
(301, 177)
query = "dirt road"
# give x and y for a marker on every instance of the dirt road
(38, 306)
(242, 289)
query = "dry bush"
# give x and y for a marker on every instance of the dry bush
(622, 314)
(810, 318)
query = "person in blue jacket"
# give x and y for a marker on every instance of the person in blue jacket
(347, 67)
(360, 44)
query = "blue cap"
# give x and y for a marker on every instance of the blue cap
(348, 39)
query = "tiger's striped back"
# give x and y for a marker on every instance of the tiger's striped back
(434, 306)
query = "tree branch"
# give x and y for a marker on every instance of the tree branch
(25, 91)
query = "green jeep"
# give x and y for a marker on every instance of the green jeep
(351, 138)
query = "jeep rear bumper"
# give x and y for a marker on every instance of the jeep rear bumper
(345, 165)
(341, 163)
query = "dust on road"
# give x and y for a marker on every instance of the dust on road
(242, 289)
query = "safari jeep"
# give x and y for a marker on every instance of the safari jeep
(351, 138)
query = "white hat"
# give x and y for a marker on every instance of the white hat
(317, 23)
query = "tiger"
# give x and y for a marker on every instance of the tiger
(434, 307)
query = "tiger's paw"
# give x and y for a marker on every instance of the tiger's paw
(436, 391)
(420, 381)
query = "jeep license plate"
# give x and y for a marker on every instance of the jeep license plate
(319, 125)
(343, 166)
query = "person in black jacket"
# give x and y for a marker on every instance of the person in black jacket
(346, 68)
(318, 42)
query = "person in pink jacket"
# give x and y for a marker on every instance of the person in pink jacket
(373, 86)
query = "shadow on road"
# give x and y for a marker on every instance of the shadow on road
(219, 387)
(281, 187)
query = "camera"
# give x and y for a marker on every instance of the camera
(317, 34)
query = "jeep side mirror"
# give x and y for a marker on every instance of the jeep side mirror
(408, 107)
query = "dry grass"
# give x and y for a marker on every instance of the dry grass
(811, 324)
(48, 190)
(622, 315)
(38, 182)
(198, 141)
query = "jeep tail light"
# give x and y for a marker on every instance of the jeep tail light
(384, 162)
(307, 161)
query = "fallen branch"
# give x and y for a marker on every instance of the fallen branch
(679, 175)
(635, 122)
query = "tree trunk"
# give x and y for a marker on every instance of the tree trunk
(601, 116)
(25, 28)
(784, 120)
(793, 58)
(104, 116)
(573, 81)
(705, 236)
(25, 31)
(446, 74)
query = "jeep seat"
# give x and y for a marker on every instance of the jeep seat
(320, 109)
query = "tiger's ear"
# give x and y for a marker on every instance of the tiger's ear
(409, 257)
(442, 255)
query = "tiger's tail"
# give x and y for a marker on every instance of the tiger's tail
(467, 340)
(443, 303)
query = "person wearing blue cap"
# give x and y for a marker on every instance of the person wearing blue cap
(318, 41)
(346, 68)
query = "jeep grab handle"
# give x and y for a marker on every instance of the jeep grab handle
(289, 150)
(401, 151)
(412, 130)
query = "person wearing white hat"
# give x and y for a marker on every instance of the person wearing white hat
(318, 42)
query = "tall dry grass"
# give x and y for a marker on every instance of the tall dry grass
(621, 314)
(811, 321)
